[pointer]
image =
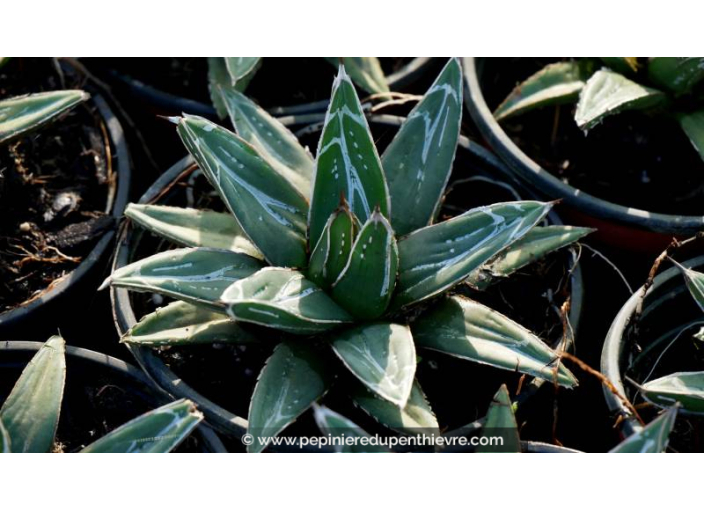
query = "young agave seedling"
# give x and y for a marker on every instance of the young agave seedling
(342, 254)
(664, 84)
(30, 414)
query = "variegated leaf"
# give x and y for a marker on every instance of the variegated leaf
(195, 275)
(292, 380)
(653, 438)
(623, 65)
(272, 139)
(31, 412)
(283, 299)
(500, 422)
(20, 115)
(466, 329)
(158, 431)
(382, 356)
(193, 228)
(607, 93)
(418, 162)
(557, 83)
(267, 206)
(5, 442)
(687, 388)
(365, 286)
(435, 258)
(337, 426)
(331, 254)
(181, 323)
(218, 78)
(695, 283)
(416, 417)
(693, 126)
(365, 72)
(535, 245)
(677, 74)
(347, 162)
(241, 68)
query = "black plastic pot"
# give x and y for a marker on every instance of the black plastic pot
(667, 308)
(220, 418)
(620, 226)
(118, 192)
(80, 361)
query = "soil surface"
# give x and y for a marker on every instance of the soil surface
(636, 159)
(54, 185)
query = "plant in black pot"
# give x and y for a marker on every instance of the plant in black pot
(338, 263)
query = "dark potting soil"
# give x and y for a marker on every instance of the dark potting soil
(53, 189)
(635, 159)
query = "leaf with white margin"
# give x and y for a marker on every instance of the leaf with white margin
(218, 78)
(695, 283)
(272, 139)
(687, 388)
(266, 205)
(347, 162)
(331, 254)
(365, 72)
(158, 431)
(193, 228)
(366, 284)
(678, 74)
(31, 412)
(22, 114)
(623, 65)
(418, 162)
(5, 442)
(469, 330)
(335, 425)
(653, 438)
(435, 258)
(693, 126)
(556, 83)
(607, 93)
(293, 379)
(240, 68)
(195, 275)
(283, 299)
(501, 422)
(416, 417)
(181, 323)
(382, 356)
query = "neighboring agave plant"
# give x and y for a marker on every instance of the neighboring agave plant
(666, 84)
(340, 254)
(30, 414)
(237, 72)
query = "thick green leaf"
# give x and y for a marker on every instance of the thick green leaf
(267, 206)
(695, 283)
(240, 68)
(693, 126)
(687, 388)
(622, 65)
(31, 412)
(331, 254)
(653, 438)
(435, 258)
(535, 245)
(339, 427)
(416, 417)
(366, 72)
(195, 275)
(158, 431)
(557, 83)
(5, 442)
(272, 139)
(418, 162)
(607, 93)
(466, 329)
(382, 356)
(678, 74)
(218, 78)
(501, 423)
(193, 228)
(347, 162)
(283, 299)
(367, 282)
(180, 323)
(292, 380)
(20, 115)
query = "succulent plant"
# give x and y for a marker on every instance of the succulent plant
(605, 87)
(341, 254)
(30, 414)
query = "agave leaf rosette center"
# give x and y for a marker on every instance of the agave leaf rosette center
(335, 260)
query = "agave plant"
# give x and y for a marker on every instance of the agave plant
(340, 254)
(30, 414)
(605, 87)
